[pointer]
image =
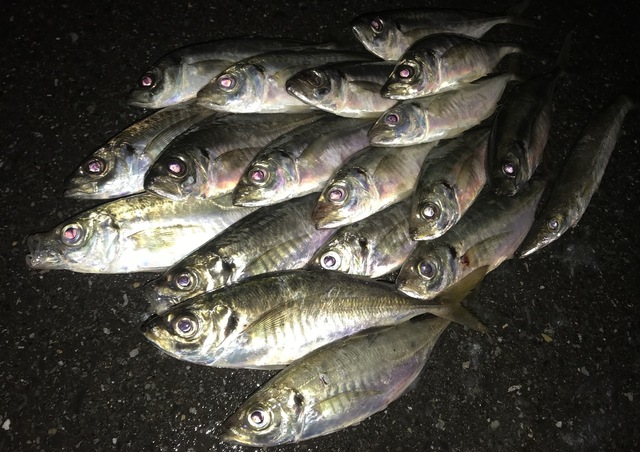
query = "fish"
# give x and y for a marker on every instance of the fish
(521, 129)
(207, 160)
(388, 34)
(339, 384)
(580, 177)
(373, 247)
(300, 161)
(346, 89)
(367, 182)
(258, 84)
(443, 115)
(118, 167)
(137, 233)
(179, 75)
(199, 329)
(451, 177)
(282, 237)
(443, 62)
(487, 235)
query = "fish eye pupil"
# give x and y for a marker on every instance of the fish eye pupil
(509, 169)
(71, 234)
(183, 280)
(336, 194)
(185, 325)
(330, 260)
(315, 79)
(376, 25)
(553, 224)
(147, 81)
(429, 211)
(227, 81)
(405, 72)
(258, 175)
(426, 270)
(258, 418)
(175, 167)
(392, 119)
(95, 166)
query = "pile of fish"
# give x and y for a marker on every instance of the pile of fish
(326, 210)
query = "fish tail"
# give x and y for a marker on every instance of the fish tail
(515, 12)
(451, 307)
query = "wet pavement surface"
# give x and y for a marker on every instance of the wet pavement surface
(559, 371)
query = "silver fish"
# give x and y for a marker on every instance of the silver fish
(346, 89)
(258, 84)
(199, 329)
(178, 76)
(580, 177)
(282, 237)
(369, 181)
(139, 233)
(300, 161)
(336, 386)
(521, 129)
(371, 247)
(440, 116)
(118, 168)
(443, 62)
(452, 176)
(208, 159)
(388, 34)
(488, 234)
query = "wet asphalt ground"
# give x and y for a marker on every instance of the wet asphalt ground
(559, 371)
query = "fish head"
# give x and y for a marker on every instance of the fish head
(318, 86)
(429, 270)
(401, 125)
(511, 170)
(107, 173)
(347, 253)
(237, 89)
(81, 244)
(345, 199)
(380, 35)
(270, 417)
(196, 274)
(157, 87)
(546, 229)
(268, 179)
(193, 330)
(179, 173)
(412, 76)
(433, 211)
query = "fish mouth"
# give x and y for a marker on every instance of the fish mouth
(159, 302)
(397, 91)
(324, 217)
(39, 256)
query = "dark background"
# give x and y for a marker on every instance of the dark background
(75, 372)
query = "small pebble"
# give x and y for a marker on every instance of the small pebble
(133, 353)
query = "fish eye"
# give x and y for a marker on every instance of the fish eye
(227, 81)
(330, 260)
(258, 175)
(71, 234)
(376, 25)
(315, 79)
(185, 326)
(176, 167)
(553, 224)
(184, 280)
(392, 119)
(429, 211)
(259, 418)
(509, 169)
(405, 71)
(426, 269)
(148, 80)
(95, 166)
(336, 194)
